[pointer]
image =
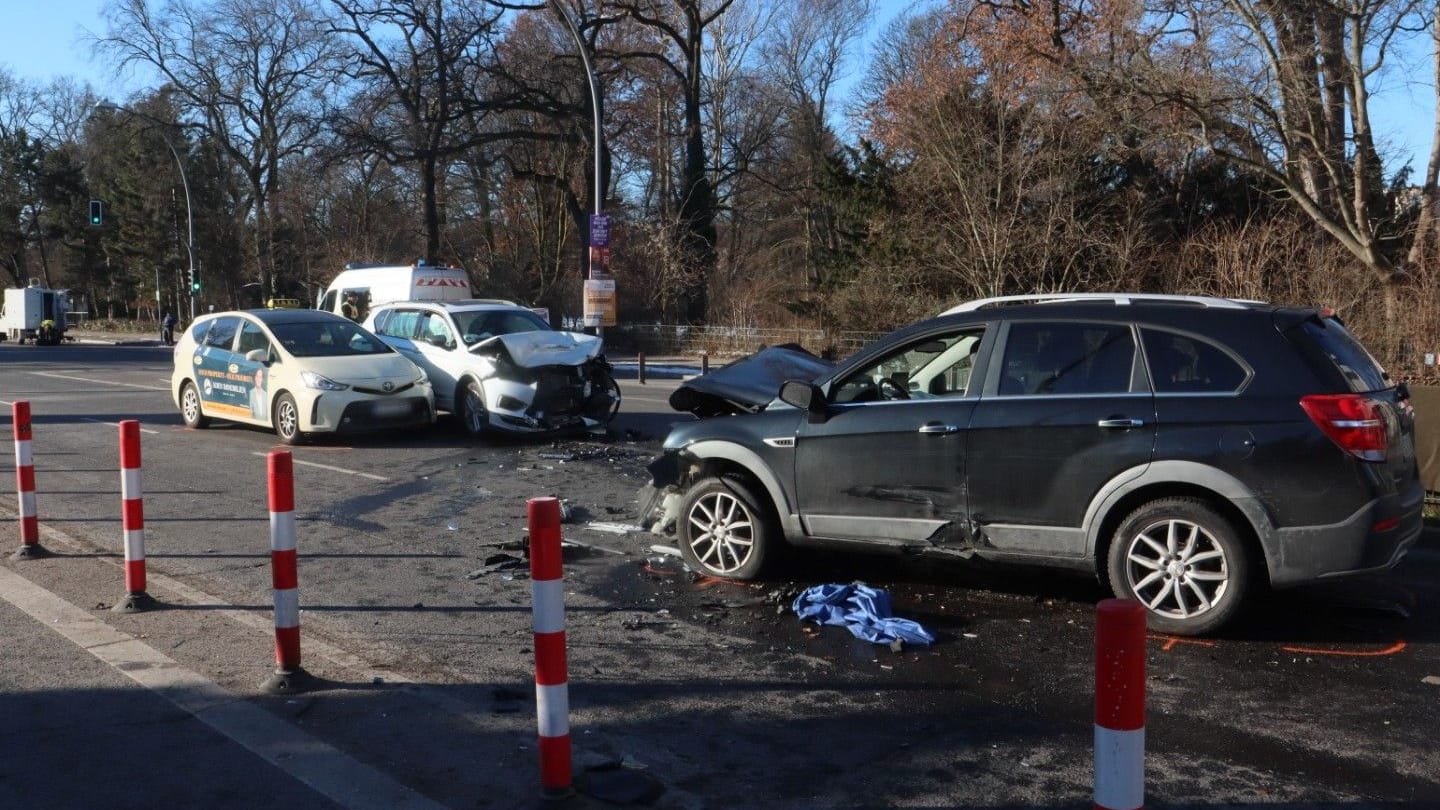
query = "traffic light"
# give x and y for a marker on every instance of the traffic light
(97, 213)
(194, 281)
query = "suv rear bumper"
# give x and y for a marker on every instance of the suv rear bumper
(1307, 553)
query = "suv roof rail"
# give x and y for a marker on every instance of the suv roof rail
(1119, 299)
(465, 301)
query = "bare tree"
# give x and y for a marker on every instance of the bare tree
(254, 72)
(417, 61)
(680, 25)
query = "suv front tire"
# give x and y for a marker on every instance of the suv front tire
(725, 530)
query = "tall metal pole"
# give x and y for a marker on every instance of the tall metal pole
(594, 95)
(595, 111)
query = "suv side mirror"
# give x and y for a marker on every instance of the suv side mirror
(804, 395)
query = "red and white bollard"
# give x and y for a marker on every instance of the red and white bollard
(1119, 705)
(552, 697)
(284, 575)
(25, 483)
(132, 520)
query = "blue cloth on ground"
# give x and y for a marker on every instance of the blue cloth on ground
(863, 610)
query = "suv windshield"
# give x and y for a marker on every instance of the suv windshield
(483, 324)
(327, 339)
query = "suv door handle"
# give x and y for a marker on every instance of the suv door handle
(1121, 423)
(938, 428)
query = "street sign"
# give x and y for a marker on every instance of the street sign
(599, 230)
(599, 302)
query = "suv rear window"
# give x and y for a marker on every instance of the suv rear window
(1345, 354)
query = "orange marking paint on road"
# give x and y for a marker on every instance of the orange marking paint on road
(1391, 650)
(1171, 641)
(710, 582)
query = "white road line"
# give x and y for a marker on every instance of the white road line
(371, 476)
(97, 382)
(117, 424)
(326, 769)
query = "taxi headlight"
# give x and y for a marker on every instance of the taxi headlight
(423, 379)
(313, 380)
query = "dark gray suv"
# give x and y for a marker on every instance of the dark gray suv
(1185, 449)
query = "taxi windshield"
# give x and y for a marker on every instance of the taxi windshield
(327, 339)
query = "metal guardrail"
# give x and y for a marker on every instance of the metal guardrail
(733, 340)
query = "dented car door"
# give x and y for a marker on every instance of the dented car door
(887, 463)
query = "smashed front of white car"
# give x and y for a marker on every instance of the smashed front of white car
(542, 382)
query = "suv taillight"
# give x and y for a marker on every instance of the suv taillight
(1352, 421)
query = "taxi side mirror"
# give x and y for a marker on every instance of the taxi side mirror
(261, 356)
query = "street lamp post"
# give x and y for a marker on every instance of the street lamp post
(594, 96)
(595, 111)
(184, 182)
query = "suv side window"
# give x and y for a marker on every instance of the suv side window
(1043, 359)
(937, 366)
(400, 324)
(1182, 363)
(222, 334)
(434, 330)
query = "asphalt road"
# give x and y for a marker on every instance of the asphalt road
(417, 639)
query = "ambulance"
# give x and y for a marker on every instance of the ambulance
(361, 286)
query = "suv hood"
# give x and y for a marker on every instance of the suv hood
(748, 384)
(536, 349)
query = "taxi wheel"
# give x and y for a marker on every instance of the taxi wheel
(473, 415)
(190, 407)
(287, 420)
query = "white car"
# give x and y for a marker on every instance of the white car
(300, 371)
(499, 367)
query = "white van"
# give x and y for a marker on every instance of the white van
(373, 284)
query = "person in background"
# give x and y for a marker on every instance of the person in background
(167, 328)
(351, 307)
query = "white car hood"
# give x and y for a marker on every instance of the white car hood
(362, 368)
(535, 349)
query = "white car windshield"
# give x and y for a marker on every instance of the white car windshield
(483, 325)
(327, 339)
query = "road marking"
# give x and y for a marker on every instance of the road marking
(97, 382)
(327, 770)
(117, 424)
(1171, 641)
(371, 476)
(1397, 647)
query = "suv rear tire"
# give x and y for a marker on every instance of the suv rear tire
(725, 529)
(1185, 562)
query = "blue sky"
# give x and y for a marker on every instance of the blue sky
(45, 39)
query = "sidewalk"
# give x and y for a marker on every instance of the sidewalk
(128, 711)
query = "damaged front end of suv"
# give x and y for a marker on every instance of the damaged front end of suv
(541, 382)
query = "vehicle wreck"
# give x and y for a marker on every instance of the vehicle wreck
(546, 381)
(500, 368)
(1137, 438)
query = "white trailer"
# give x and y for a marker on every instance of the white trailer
(34, 313)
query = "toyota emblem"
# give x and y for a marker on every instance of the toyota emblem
(387, 386)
